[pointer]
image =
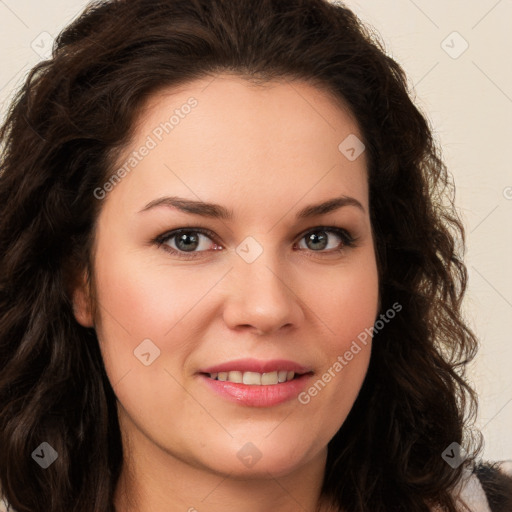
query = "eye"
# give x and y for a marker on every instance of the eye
(184, 242)
(187, 242)
(319, 239)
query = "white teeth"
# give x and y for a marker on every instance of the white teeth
(282, 375)
(235, 377)
(254, 378)
(269, 378)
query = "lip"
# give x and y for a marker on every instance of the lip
(258, 396)
(258, 366)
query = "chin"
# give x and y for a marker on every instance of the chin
(246, 461)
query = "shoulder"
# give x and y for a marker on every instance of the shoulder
(487, 487)
(496, 481)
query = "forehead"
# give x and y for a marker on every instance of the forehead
(224, 133)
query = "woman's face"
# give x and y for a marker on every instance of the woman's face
(260, 283)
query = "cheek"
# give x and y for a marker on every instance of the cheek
(347, 307)
(143, 309)
(137, 302)
(345, 300)
(139, 299)
(145, 298)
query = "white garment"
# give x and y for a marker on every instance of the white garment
(470, 491)
(473, 494)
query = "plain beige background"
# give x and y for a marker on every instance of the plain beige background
(456, 54)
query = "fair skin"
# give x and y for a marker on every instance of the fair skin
(264, 153)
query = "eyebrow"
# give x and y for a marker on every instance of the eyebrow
(217, 211)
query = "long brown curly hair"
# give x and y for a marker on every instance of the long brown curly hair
(61, 137)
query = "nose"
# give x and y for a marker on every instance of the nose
(262, 297)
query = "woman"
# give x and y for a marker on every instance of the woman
(253, 370)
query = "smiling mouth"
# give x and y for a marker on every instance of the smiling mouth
(255, 378)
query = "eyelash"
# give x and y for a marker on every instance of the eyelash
(348, 241)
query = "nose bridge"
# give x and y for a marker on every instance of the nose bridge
(260, 296)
